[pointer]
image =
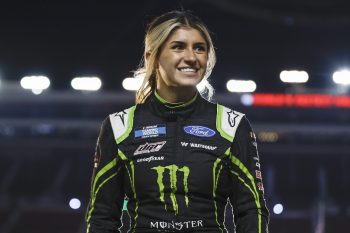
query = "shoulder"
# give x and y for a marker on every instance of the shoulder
(227, 121)
(121, 115)
(122, 122)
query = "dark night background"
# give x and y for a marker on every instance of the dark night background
(254, 39)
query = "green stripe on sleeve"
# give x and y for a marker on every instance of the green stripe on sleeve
(105, 169)
(251, 187)
(130, 125)
(131, 174)
(215, 185)
(95, 193)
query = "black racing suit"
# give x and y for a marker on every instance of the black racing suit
(178, 166)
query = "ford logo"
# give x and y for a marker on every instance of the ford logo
(199, 131)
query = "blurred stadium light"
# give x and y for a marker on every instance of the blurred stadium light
(132, 84)
(241, 85)
(74, 203)
(294, 76)
(268, 136)
(247, 99)
(278, 208)
(86, 83)
(300, 100)
(35, 83)
(342, 77)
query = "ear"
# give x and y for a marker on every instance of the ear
(147, 54)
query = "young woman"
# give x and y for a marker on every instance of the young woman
(177, 158)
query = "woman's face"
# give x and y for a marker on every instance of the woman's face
(182, 60)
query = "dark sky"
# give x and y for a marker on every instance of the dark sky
(104, 38)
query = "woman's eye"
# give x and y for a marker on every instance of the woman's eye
(201, 48)
(177, 47)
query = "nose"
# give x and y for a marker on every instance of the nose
(190, 55)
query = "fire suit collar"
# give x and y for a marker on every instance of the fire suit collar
(168, 110)
(175, 105)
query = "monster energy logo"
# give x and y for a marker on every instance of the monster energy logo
(173, 171)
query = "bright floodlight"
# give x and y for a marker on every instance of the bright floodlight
(294, 76)
(132, 84)
(342, 77)
(247, 99)
(86, 83)
(278, 209)
(35, 82)
(241, 85)
(74, 203)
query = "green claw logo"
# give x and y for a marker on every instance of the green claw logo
(173, 171)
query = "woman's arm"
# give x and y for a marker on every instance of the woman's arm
(107, 194)
(250, 212)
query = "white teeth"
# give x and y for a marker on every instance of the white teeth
(188, 70)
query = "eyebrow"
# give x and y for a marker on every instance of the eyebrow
(182, 42)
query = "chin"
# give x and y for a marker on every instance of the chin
(189, 83)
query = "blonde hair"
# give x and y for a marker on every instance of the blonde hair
(157, 33)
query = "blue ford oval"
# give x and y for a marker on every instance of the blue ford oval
(199, 131)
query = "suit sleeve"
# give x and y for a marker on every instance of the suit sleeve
(107, 195)
(250, 212)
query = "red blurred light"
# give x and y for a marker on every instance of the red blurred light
(300, 100)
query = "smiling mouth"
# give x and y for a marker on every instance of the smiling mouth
(188, 70)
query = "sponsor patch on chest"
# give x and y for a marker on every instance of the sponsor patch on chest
(149, 148)
(198, 145)
(150, 131)
(199, 131)
(176, 226)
